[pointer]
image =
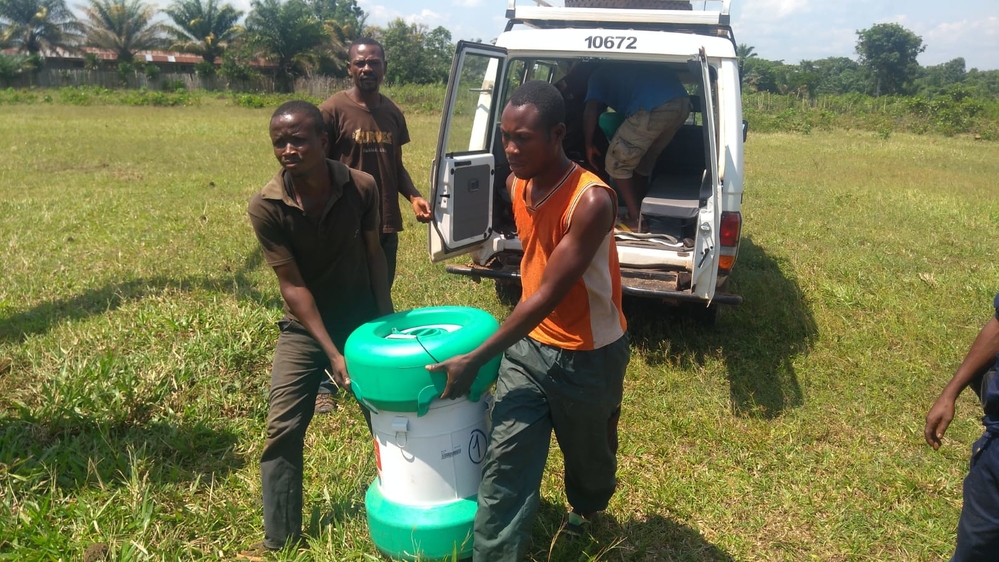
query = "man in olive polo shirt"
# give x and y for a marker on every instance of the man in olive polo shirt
(317, 223)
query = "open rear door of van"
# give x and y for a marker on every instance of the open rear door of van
(704, 276)
(463, 172)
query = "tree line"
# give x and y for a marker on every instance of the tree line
(294, 38)
(886, 66)
(298, 38)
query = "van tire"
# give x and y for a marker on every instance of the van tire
(508, 292)
(706, 316)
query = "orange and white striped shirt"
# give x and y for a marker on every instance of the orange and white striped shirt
(590, 316)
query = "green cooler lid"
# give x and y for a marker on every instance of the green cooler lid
(387, 357)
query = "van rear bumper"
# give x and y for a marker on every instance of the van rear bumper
(634, 282)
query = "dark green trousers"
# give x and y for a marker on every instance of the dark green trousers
(540, 389)
(299, 364)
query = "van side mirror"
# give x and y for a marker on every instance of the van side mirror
(745, 129)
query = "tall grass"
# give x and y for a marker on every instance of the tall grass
(136, 331)
(416, 98)
(950, 113)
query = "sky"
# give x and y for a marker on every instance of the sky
(788, 30)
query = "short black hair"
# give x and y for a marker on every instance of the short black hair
(304, 108)
(543, 96)
(369, 41)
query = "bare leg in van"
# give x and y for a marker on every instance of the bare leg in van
(633, 190)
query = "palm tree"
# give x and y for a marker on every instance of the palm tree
(287, 34)
(122, 26)
(203, 27)
(343, 18)
(34, 25)
(743, 52)
(13, 66)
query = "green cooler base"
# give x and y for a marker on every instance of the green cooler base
(406, 532)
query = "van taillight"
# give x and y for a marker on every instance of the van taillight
(731, 227)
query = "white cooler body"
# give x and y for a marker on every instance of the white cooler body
(435, 458)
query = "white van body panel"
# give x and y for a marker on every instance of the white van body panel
(647, 45)
(699, 47)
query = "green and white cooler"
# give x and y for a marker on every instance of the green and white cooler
(428, 451)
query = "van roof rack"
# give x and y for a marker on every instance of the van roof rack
(636, 14)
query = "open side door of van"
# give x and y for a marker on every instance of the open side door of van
(704, 276)
(464, 169)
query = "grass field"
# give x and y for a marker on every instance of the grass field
(136, 331)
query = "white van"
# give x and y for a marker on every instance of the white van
(692, 209)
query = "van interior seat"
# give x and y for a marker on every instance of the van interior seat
(676, 196)
(679, 186)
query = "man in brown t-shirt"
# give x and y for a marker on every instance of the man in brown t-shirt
(317, 224)
(366, 132)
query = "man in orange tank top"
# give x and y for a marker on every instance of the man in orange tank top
(565, 345)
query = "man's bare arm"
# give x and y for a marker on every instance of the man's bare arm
(982, 353)
(303, 306)
(592, 221)
(420, 206)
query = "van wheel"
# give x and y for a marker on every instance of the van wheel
(508, 292)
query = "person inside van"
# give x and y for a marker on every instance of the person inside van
(654, 105)
(573, 88)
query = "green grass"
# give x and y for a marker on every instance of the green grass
(136, 331)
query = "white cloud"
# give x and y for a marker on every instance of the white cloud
(946, 30)
(242, 5)
(467, 3)
(977, 41)
(964, 31)
(839, 43)
(901, 19)
(991, 25)
(377, 13)
(426, 17)
(769, 10)
(381, 15)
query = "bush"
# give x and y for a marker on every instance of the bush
(125, 70)
(956, 110)
(156, 98)
(102, 96)
(80, 96)
(11, 96)
(174, 86)
(15, 66)
(11, 66)
(235, 69)
(91, 61)
(204, 69)
(34, 63)
(249, 100)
